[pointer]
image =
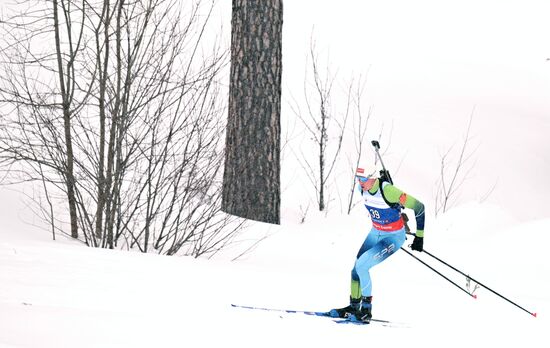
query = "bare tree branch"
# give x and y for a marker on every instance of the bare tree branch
(448, 187)
(117, 112)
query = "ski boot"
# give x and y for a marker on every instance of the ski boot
(345, 312)
(364, 312)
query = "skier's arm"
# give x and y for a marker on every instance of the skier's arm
(395, 195)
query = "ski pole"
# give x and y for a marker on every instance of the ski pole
(433, 269)
(376, 146)
(477, 282)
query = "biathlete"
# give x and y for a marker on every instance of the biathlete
(384, 203)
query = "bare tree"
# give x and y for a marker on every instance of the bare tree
(251, 183)
(451, 179)
(318, 123)
(360, 123)
(125, 112)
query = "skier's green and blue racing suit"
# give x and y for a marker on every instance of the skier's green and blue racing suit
(384, 203)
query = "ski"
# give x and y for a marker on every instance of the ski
(290, 311)
(320, 314)
(385, 323)
(356, 322)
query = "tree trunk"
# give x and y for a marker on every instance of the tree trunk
(65, 95)
(251, 182)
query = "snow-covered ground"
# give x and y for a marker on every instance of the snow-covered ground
(61, 294)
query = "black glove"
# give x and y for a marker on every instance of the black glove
(418, 243)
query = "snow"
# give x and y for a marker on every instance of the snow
(423, 83)
(61, 294)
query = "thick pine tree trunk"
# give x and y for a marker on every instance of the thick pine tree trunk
(251, 182)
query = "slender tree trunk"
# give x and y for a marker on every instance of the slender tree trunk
(102, 68)
(322, 165)
(251, 183)
(69, 170)
(113, 140)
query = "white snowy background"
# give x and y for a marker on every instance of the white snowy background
(429, 63)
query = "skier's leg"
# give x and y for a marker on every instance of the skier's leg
(389, 243)
(372, 238)
(355, 286)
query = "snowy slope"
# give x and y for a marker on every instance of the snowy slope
(60, 294)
